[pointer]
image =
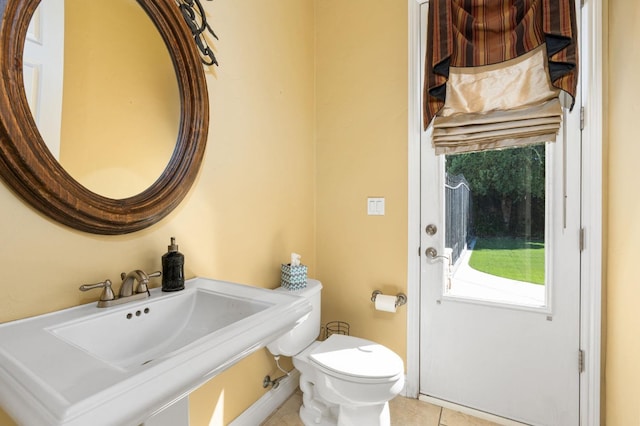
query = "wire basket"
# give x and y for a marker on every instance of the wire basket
(336, 327)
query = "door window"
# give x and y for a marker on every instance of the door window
(495, 226)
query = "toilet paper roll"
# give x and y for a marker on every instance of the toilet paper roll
(385, 303)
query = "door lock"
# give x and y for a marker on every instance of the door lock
(431, 230)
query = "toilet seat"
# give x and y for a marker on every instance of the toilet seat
(357, 358)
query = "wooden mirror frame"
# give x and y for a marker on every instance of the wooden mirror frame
(28, 167)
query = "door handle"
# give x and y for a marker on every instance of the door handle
(432, 253)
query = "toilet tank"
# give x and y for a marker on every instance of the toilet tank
(307, 330)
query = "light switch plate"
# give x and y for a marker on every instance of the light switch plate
(375, 206)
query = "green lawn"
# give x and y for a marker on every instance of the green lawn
(512, 258)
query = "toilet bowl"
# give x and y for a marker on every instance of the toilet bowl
(345, 380)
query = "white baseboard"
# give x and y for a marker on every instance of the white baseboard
(405, 390)
(269, 402)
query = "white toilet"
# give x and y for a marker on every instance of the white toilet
(345, 380)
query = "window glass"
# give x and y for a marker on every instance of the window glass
(495, 225)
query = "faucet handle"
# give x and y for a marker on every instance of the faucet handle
(143, 285)
(107, 293)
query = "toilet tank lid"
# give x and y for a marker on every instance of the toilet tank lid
(356, 357)
(313, 286)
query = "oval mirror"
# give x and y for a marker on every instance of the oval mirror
(34, 173)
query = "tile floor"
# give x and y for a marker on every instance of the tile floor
(404, 412)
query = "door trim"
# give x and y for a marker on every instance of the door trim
(592, 74)
(593, 21)
(412, 383)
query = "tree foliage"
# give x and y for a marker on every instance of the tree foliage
(515, 173)
(507, 182)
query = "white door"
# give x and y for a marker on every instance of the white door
(501, 335)
(43, 68)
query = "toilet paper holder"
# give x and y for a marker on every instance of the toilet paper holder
(401, 298)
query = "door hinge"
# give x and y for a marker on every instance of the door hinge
(581, 361)
(582, 240)
(419, 251)
(581, 118)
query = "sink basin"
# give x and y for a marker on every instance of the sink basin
(133, 337)
(120, 365)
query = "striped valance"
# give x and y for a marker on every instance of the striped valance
(498, 61)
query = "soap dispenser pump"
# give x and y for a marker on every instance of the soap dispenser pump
(173, 268)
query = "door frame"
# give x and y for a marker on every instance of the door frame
(592, 75)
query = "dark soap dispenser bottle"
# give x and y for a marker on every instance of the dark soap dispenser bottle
(173, 268)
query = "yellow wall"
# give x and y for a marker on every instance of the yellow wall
(623, 294)
(252, 204)
(361, 103)
(116, 139)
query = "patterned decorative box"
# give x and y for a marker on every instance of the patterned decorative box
(293, 277)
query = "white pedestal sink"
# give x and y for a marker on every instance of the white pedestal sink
(120, 365)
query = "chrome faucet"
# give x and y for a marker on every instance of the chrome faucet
(127, 291)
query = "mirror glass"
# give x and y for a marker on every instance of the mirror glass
(103, 92)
